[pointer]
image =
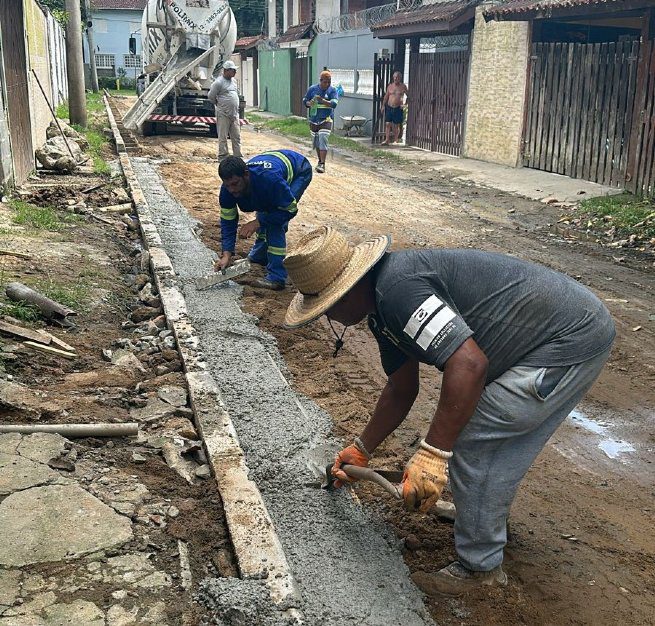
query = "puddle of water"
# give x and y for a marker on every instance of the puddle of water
(613, 448)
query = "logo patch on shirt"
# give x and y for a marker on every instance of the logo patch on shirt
(434, 326)
(421, 314)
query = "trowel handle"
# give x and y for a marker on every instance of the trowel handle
(366, 473)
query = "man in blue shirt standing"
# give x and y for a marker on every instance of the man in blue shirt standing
(270, 184)
(321, 100)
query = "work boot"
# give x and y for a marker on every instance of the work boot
(273, 285)
(320, 168)
(455, 579)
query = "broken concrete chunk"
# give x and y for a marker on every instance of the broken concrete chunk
(173, 456)
(42, 447)
(154, 410)
(118, 616)
(9, 443)
(203, 472)
(77, 612)
(22, 398)
(18, 473)
(9, 586)
(74, 521)
(124, 358)
(173, 395)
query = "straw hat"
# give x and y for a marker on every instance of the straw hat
(324, 267)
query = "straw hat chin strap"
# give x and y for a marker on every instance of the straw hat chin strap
(338, 344)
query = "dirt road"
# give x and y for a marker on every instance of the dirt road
(582, 549)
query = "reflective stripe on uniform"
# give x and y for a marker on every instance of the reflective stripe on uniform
(276, 251)
(286, 162)
(292, 208)
(261, 236)
(229, 213)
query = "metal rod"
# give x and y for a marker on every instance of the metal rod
(54, 115)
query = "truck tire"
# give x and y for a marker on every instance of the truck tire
(213, 130)
(148, 129)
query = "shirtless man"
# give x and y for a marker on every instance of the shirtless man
(392, 106)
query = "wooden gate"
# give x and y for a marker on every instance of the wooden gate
(640, 177)
(299, 85)
(15, 64)
(438, 88)
(580, 109)
(383, 68)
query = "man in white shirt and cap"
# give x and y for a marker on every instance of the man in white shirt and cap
(224, 94)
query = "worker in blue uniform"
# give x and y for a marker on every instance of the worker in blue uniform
(270, 184)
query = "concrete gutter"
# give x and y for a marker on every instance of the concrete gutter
(256, 545)
(344, 562)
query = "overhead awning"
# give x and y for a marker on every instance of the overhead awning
(438, 17)
(523, 10)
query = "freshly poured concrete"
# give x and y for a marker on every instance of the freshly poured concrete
(347, 565)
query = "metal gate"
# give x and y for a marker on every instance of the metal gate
(581, 101)
(383, 68)
(299, 85)
(18, 110)
(436, 111)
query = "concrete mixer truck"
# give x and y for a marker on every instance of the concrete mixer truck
(185, 43)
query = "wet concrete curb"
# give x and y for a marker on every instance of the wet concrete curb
(256, 544)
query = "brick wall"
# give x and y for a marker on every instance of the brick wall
(494, 120)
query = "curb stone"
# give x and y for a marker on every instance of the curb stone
(256, 544)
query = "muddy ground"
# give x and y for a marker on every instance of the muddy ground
(582, 550)
(124, 360)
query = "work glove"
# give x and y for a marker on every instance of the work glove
(354, 454)
(425, 476)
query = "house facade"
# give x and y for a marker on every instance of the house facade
(114, 22)
(32, 78)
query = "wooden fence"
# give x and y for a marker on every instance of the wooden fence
(590, 112)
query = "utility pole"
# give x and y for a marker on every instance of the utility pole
(272, 22)
(75, 62)
(91, 46)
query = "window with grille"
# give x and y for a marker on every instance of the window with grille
(105, 61)
(132, 60)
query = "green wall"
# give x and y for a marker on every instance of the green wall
(275, 80)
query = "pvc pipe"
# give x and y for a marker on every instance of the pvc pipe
(75, 430)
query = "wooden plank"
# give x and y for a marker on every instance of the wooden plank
(49, 350)
(532, 104)
(567, 64)
(620, 174)
(646, 175)
(58, 342)
(636, 131)
(20, 255)
(547, 106)
(586, 149)
(558, 140)
(573, 112)
(554, 111)
(23, 333)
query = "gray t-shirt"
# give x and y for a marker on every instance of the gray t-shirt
(430, 301)
(224, 94)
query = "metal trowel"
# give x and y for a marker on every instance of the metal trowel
(238, 268)
(389, 480)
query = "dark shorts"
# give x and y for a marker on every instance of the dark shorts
(393, 115)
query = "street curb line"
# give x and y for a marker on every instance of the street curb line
(257, 547)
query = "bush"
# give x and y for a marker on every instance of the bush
(107, 82)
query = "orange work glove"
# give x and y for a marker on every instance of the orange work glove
(425, 476)
(354, 454)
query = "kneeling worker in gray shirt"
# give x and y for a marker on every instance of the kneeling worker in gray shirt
(519, 345)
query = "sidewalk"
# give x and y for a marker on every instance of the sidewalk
(523, 181)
